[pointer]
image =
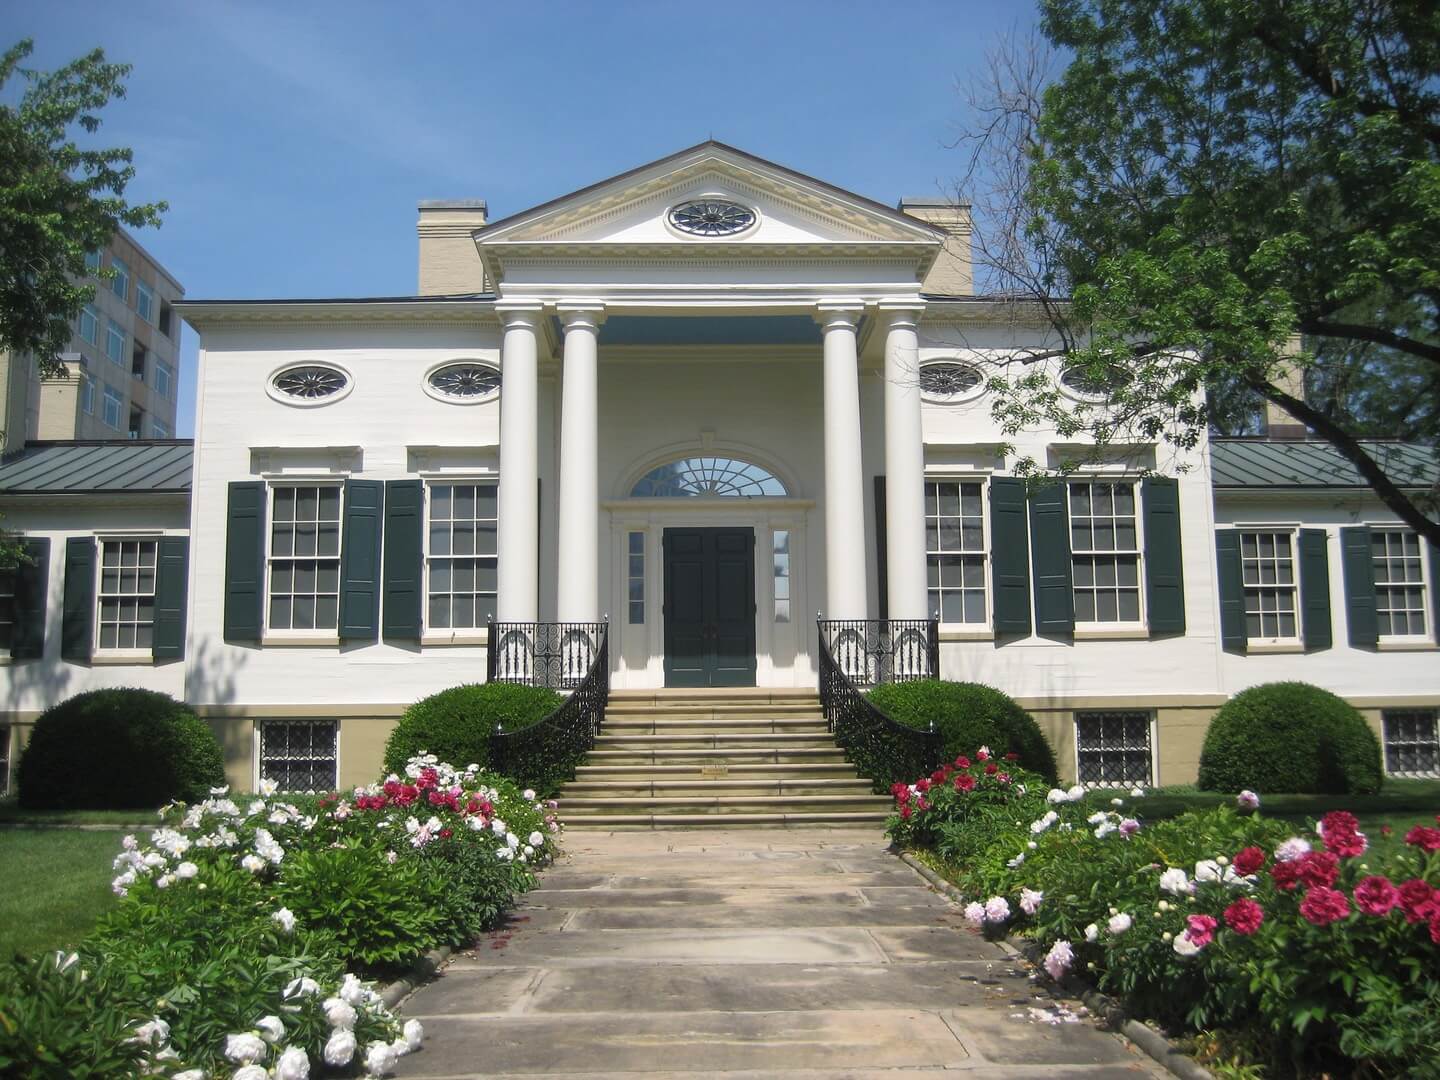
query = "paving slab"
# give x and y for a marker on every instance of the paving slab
(741, 955)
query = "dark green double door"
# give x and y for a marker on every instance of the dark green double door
(709, 607)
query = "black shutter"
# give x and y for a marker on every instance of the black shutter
(1357, 562)
(1315, 629)
(1009, 556)
(172, 579)
(882, 570)
(360, 560)
(245, 561)
(1230, 582)
(32, 579)
(77, 623)
(1050, 559)
(1164, 571)
(404, 558)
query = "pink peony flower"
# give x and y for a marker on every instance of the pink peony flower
(1341, 832)
(1247, 800)
(1201, 929)
(1244, 916)
(1424, 837)
(1323, 906)
(1376, 896)
(1419, 901)
(1059, 959)
(1129, 827)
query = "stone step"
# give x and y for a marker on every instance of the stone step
(723, 695)
(759, 786)
(728, 821)
(666, 722)
(574, 807)
(741, 755)
(701, 740)
(798, 770)
(702, 711)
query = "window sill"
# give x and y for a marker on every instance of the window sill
(1273, 648)
(1418, 645)
(1111, 633)
(330, 641)
(122, 656)
(960, 632)
(455, 637)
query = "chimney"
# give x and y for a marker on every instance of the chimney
(951, 273)
(449, 263)
(60, 402)
(1289, 378)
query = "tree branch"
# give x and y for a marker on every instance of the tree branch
(1373, 334)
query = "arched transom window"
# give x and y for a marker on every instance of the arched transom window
(707, 477)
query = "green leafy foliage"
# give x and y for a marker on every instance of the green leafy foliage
(456, 724)
(61, 199)
(118, 749)
(1292, 737)
(968, 716)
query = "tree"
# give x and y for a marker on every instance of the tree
(1204, 180)
(57, 199)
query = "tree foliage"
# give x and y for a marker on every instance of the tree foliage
(1206, 179)
(58, 199)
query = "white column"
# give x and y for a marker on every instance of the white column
(844, 481)
(519, 497)
(904, 467)
(578, 584)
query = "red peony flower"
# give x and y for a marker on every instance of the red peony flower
(1376, 896)
(983, 754)
(991, 769)
(1386, 830)
(905, 813)
(1318, 868)
(1012, 756)
(1424, 837)
(962, 762)
(1286, 875)
(445, 834)
(938, 776)
(1201, 929)
(922, 785)
(1419, 901)
(1435, 929)
(1244, 916)
(1323, 906)
(964, 782)
(1249, 860)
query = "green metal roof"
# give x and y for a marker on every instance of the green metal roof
(84, 466)
(1255, 463)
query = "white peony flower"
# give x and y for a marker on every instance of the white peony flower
(975, 913)
(537, 839)
(1175, 881)
(1058, 959)
(153, 1032)
(1097, 817)
(997, 909)
(353, 991)
(512, 840)
(154, 859)
(285, 918)
(1183, 946)
(251, 1072)
(1076, 793)
(1092, 933)
(244, 1049)
(339, 1013)
(1247, 800)
(190, 1074)
(302, 987)
(529, 794)
(1105, 828)
(271, 1029)
(253, 863)
(1056, 796)
(1120, 923)
(256, 807)
(186, 870)
(164, 881)
(1016, 862)
(268, 787)
(340, 1048)
(380, 1059)
(1292, 849)
(293, 1064)
(414, 1034)
(1030, 900)
(498, 827)
(1117, 802)
(128, 842)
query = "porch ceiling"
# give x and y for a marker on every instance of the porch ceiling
(625, 330)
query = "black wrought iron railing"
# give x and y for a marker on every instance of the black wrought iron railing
(558, 655)
(545, 755)
(857, 653)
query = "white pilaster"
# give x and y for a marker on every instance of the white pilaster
(904, 467)
(844, 481)
(519, 497)
(577, 583)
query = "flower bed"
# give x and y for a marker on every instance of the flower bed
(1308, 952)
(245, 930)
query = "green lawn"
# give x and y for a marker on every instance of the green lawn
(11, 811)
(57, 883)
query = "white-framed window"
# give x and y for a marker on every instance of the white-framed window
(1412, 741)
(1400, 586)
(125, 599)
(304, 557)
(781, 551)
(120, 283)
(159, 430)
(1268, 572)
(164, 374)
(1105, 551)
(4, 759)
(460, 562)
(114, 405)
(114, 342)
(92, 261)
(7, 609)
(144, 301)
(89, 325)
(1114, 748)
(635, 578)
(300, 755)
(87, 393)
(955, 551)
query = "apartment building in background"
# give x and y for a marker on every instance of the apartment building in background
(122, 376)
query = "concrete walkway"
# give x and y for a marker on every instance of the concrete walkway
(746, 954)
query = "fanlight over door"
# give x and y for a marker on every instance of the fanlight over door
(708, 477)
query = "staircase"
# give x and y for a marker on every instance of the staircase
(716, 757)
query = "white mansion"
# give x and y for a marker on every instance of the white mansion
(707, 399)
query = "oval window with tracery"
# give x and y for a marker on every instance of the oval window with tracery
(1081, 382)
(310, 382)
(708, 477)
(465, 382)
(949, 380)
(712, 217)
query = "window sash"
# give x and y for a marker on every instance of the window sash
(120, 283)
(162, 379)
(302, 579)
(461, 561)
(1105, 552)
(956, 553)
(1412, 742)
(114, 404)
(7, 610)
(1113, 748)
(87, 394)
(125, 595)
(144, 301)
(1401, 589)
(89, 325)
(780, 569)
(300, 755)
(635, 578)
(115, 343)
(1269, 574)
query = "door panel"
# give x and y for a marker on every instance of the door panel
(709, 607)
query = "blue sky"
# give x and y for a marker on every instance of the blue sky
(293, 141)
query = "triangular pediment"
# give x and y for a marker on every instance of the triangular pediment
(636, 207)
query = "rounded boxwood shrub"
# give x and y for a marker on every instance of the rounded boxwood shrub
(120, 749)
(1290, 737)
(969, 716)
(456, 724)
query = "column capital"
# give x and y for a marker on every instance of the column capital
(581, 314)
(847, 313)
(519, 312)
(903, 311)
